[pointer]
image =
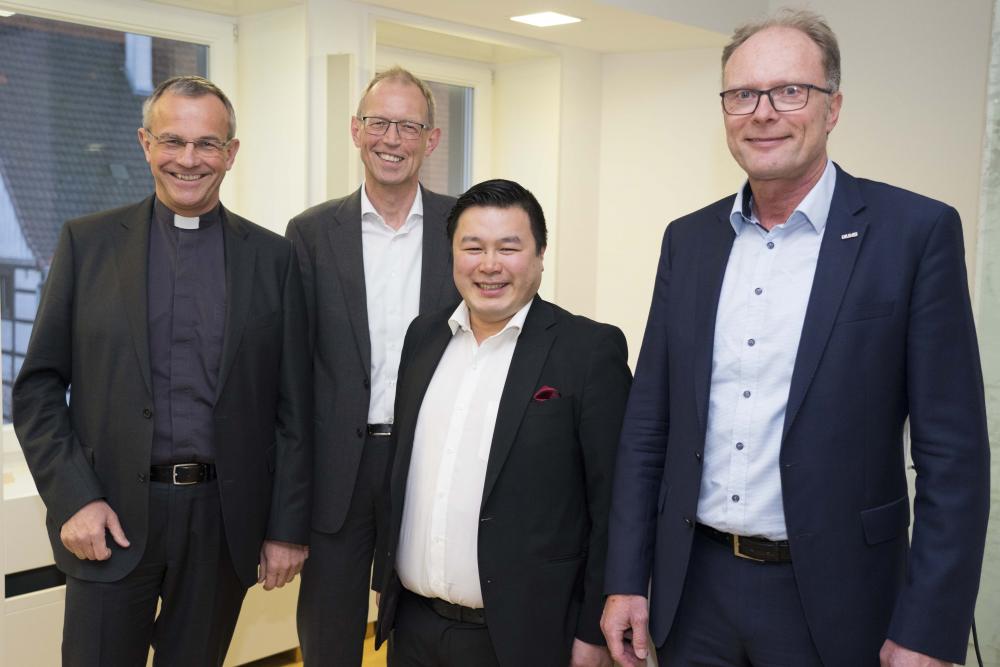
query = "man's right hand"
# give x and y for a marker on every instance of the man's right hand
(83, 533)
(623, 613)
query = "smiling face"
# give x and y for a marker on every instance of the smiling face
(391, 160)
(187, 182)
(497, 268)
(788, 145)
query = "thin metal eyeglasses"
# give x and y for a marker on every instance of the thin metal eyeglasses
(169, 143)
(377, 127)
(786, 97)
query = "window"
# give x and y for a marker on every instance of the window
(449, 168)
(70, 100)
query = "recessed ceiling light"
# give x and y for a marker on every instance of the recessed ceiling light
(545, 19)
(5, 14)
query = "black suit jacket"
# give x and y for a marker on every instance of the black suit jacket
(327, 240)
(888, 334)
(90, 335)
(543, 526)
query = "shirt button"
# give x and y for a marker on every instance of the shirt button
(770, 245)
(751, 342)
(746, 394)
(736, 498)
(739, 446)
(758, 291)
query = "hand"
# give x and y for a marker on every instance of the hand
(83, 533)
(589, 655)
(894, 655)
(280, 562)
(623, 613)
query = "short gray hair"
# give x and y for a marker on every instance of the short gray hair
(189, 86)
(398, 74)
(812, 24)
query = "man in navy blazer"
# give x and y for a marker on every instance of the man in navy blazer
(793, 330)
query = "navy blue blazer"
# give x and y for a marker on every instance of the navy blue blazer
(888, 334)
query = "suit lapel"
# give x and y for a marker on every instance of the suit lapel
(526, 365)
(345, 241)
(435, 253)
(132, 259)
(713, 256)
(240, 260)
(833, 272)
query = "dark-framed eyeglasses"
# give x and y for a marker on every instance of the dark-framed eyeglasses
(377, 127)
(172, 144)
(786, 97)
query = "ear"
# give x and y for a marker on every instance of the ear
(144, 142)
(356, 129)
(433, 139)
(833, 112)
(234, 147)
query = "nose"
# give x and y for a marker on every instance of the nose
(490, 262)
(391, 135)
(187, 157)
(765, 110)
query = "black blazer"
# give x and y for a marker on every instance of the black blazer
(543, 525)
(888, 334)
(327, 240)
(91, 336)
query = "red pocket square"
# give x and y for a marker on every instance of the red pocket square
(546, 393)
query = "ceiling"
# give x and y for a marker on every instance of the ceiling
(608, 26)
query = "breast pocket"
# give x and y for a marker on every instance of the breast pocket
(858, 312)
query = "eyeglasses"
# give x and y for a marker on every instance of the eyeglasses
(407, 129)
(786, 97)
(172, 144)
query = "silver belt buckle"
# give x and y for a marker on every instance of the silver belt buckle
(185, 466)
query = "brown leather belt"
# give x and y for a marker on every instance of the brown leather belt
(758, 549)
(182, 474)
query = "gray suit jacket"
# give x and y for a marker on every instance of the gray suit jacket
(327, 239)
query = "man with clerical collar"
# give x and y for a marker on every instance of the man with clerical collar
(370, 263)
(507, 421)
(178, 473)
(796, 328)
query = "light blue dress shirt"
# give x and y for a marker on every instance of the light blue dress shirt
(762, 307)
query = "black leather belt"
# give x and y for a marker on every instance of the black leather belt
(752, 548)
(182, 474)
(455, 612)
(380, 430)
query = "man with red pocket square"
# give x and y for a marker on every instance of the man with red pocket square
(508, 410)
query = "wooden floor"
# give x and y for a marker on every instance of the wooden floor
(372, 658)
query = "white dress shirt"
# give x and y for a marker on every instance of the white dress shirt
(438, 555)
(392, 259)
(759, 320)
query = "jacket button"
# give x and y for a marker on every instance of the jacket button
(359, 433)
(368, 383)
(688, 522)
(142, 477)
(147, 413)
(697, 455)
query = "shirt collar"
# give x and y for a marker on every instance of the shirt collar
(165, 216)
(368, 209)
(460, 320)
(815, 207)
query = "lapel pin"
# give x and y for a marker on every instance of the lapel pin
(849, 235)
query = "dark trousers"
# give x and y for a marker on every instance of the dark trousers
(186, 566)
(332, 611)
(737, 613)
(422, 638)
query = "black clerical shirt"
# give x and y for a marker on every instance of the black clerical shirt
(187, 319)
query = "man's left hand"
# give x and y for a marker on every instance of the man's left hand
(280, 562)
(589, 655)
(894, 655)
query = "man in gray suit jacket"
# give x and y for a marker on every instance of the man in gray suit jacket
(370, 263)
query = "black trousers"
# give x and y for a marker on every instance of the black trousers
(737, 613)
(422, 638)
(186, 566)
(332, 610)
